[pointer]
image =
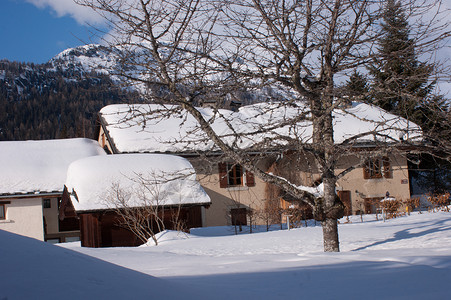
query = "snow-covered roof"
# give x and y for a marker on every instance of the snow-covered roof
(40, 166)
(141, 179)
(133, 128)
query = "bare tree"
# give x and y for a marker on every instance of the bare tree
(187, 52)
(144, 221)
(149, 205)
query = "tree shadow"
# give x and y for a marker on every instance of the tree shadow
(438, 226)
(350, 280)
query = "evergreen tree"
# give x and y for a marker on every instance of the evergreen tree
(40, 103)
(357, 88)
(401, 82)
(402, 85)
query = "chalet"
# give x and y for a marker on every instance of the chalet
(101, 190)
(32, 177)
(233, 190)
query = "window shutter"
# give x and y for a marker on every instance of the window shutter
(250, 180)
(222, 170)
(387, 169)
(345, 197)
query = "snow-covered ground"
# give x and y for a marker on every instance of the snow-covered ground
(403, 258)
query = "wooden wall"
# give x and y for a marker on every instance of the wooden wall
(101, 228)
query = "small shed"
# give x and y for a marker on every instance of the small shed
(99, 189)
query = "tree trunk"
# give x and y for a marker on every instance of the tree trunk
(323, 141)
(331, 207)
(330, 235)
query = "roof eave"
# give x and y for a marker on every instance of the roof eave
(166, 206)
(110, 140)
(31, 195)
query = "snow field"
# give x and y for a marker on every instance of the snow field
(403, 258)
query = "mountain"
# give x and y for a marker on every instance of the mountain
(88, 59)
(58, 99)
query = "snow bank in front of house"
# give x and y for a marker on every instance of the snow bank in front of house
(403, 258)
(37, 270)
(151, 128)
(40, 166)
(137, 179)
(168, 236)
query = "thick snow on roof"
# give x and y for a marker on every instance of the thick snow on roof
(141, 179)
(134, 128)
(40, 166)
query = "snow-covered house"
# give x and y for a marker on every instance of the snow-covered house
(232, 189)
(32, 177)
(100, 189)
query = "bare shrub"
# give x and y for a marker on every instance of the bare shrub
(440, 201)
(391, 207)
(411, 204)
(298, 216)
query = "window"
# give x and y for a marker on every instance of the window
(234, 175)
(46, 203)
(373, 169)
(2, 212)
(377, 168)
(3, 209)
(69, 239)
(53, 241)
(69, 224)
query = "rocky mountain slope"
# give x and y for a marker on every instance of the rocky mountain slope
(60, 98)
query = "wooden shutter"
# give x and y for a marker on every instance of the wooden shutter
(366, 170)
(250, 180)
(239, 216)
(222, 170)
(345, 197)
(386, 168)
(90, 231)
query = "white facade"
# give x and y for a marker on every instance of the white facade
(24, 216)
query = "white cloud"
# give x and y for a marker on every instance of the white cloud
(62, 8)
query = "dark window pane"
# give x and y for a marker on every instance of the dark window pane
(2, 212)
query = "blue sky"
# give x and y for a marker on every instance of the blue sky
(33, 31)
